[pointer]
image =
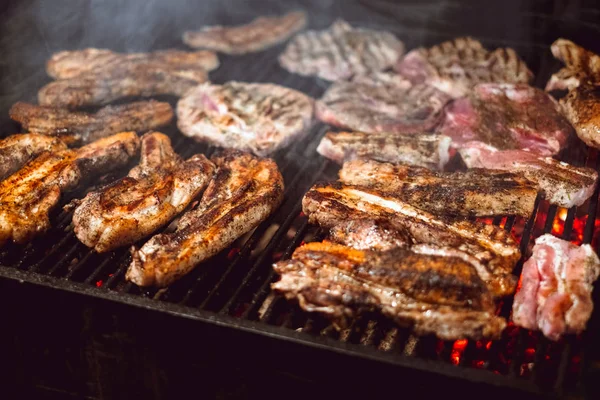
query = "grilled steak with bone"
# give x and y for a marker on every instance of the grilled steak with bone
(433, 294)
(260, 34)
(83, 127)
(28, 196)
(152, 194)
(17, 150)
(245, 191)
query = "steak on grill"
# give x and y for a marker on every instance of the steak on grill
(581, 106)
(152, 194)
(256, 117)
(457, 65)
(82, 127)
(244, 192)
(556, 293)
(259, 34)
(581, 66)
(341, 52)
(431, 293)
(17, 150)
(369, 234)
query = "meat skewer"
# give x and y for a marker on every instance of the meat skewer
(17, 150)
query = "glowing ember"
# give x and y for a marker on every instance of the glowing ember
(232, 253)
(99, 283)
(457, 350)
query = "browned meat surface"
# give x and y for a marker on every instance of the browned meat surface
(152, 194)
(28, 196)
(582, 108)
(84, 127)
(581, 66)
(431, 293)
(259, 34)
(477, 192)
(17, 150)
(369, 234)
(245, 191)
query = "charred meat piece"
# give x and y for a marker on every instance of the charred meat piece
(431, 151)
(153, 193)
(256, 117)
(81, 127)
(381, 104)
(581, 66)
(244, 192)
(430, 293)
(341, 52)
(456, 66)
(562, 184)
(17, 150)
(478, 192)
(28, 196)
(331, 204)
(259, 34)
(72, 64)
(556, 292)
(582, 108)
(369, 234)
(507, 117)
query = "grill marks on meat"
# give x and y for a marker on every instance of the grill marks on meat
(83, 127)
(152, 194)
(431, 151)
(581, 66)
(17, 150)
(244, 192)
(390, 107)
(259, 34)
(341, 52)
(256, 117)
(473, 193)
(582, 108)
(456, 66)
(433, 294)
(555, 296)
(28, 196)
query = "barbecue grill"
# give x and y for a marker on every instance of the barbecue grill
(224, 312)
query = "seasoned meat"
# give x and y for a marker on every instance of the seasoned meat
(556, 292)
(582, 108)
(245, 191)
(331, 204)
(478, 192)
(17, 150)
(152, 194)
(28, 196)
(81, 127)
(581, 66)
(507, 117)
(256, 117)
(261, 33)
(341, 52)
(432, 294)
(457, 65)
(431, 151)
(369, 234)
(562, 184)
(382, 104)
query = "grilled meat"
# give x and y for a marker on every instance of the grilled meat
(259, 34)
(582, 108)
(477, 192)
(382, 104)
(581, 66)
(341, 52)
(331, 204)
(245, 190)
(28, 196)
(429, 151)
(433, 294)
(17, 150)
(562, 184)
(152, 194)
(556, 293)
(369, 234)
(84, 127)
(456, 66)
(73, 64)
(256, 117)
(507, 117)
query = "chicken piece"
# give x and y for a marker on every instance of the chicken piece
(581, 66)
(582, 108)
(17, 150)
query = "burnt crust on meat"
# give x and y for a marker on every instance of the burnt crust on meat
(17, 150)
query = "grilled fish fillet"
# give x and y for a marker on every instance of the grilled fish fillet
(245, 191)
(261, 33)
(17, 150)
(84, 127)
(477, 192)
(28, 196)
(433, 294)
(152, 194)
(581, 66)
